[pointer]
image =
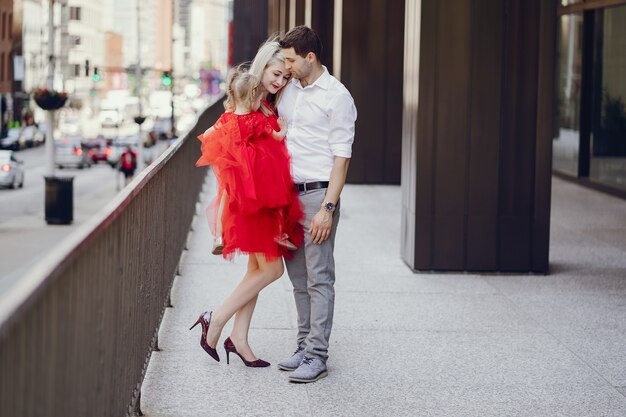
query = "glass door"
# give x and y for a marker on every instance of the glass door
(565, 149)
(608, 126)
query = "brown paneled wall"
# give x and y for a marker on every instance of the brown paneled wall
(322, 20)
(480, 135)
(372, 69)
(250, 28)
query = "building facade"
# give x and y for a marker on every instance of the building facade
(472, 106)
(209, 35)
(85, 47)
(6, 60)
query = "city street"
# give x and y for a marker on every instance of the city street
(24, 235)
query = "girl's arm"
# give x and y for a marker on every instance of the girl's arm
(280, 135)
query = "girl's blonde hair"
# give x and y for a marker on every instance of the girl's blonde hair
(242, 88)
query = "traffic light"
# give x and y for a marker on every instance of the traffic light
(96, 75)
(166, 79)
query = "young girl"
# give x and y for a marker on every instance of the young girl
(216, 221)
(253, 175)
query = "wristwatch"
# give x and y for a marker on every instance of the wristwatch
(329, 206)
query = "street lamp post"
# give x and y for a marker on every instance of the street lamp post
(49, 171)
(59, 199)
(139, 119)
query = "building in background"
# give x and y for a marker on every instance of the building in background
(114, 76)
(182, 37)
(125, 23)
(86, 48)
(30, 56)
(6, 60)
(34, 41)
(164, 35)
(209, 29)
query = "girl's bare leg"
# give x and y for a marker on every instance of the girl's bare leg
(220, 211)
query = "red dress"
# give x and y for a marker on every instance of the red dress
(253, 169)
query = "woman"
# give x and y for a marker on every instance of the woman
(269, 67)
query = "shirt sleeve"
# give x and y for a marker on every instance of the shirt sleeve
(342, 118)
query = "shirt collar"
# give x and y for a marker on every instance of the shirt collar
(323, 81)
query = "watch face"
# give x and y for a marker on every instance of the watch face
(329, 206)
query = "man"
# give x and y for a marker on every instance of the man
(320, 114)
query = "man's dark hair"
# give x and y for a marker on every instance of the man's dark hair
(303, 40)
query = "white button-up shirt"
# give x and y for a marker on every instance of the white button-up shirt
(320, 125)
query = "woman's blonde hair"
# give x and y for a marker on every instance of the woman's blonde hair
(242, 88)
(268, 54)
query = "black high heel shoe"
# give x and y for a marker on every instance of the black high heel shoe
(229, 347)
(205, 328)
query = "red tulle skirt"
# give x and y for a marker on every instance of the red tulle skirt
(253, 174)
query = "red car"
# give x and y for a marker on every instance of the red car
(99, 150)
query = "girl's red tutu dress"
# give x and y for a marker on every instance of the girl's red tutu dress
(253, 169)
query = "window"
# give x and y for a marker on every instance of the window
(2, 66)
(75, 13)
(608, 119)
(76, 70)
(10, 23)
(75, 40)
(4, 25)
(569, 76)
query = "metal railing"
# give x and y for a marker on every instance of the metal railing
(77, 331)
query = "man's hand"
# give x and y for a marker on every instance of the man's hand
(321, 225)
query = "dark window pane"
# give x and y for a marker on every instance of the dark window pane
(74, 13)
(608, 140)
(566, 143)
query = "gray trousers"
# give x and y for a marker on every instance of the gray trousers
(312, 273)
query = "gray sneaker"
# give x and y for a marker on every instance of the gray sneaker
(293, 362)
(310, 370)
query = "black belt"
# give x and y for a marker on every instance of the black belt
(307, 186)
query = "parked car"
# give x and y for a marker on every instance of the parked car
(13, 140)
(69, 125)
(111, 118)
(32, 136)
(163, 128)
(11, 170)
(98, 149)
(69, 151)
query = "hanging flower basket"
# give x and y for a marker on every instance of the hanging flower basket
(50, 99)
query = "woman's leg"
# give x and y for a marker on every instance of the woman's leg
(249, 287)
(243, 317)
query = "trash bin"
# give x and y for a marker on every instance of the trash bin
(59, 200)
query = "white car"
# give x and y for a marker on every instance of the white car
(13, 140)
(11, 170)
(69, 125)
(32, 136)
(110, 118)
(70, 151)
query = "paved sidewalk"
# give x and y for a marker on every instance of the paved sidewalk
(406, 344)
